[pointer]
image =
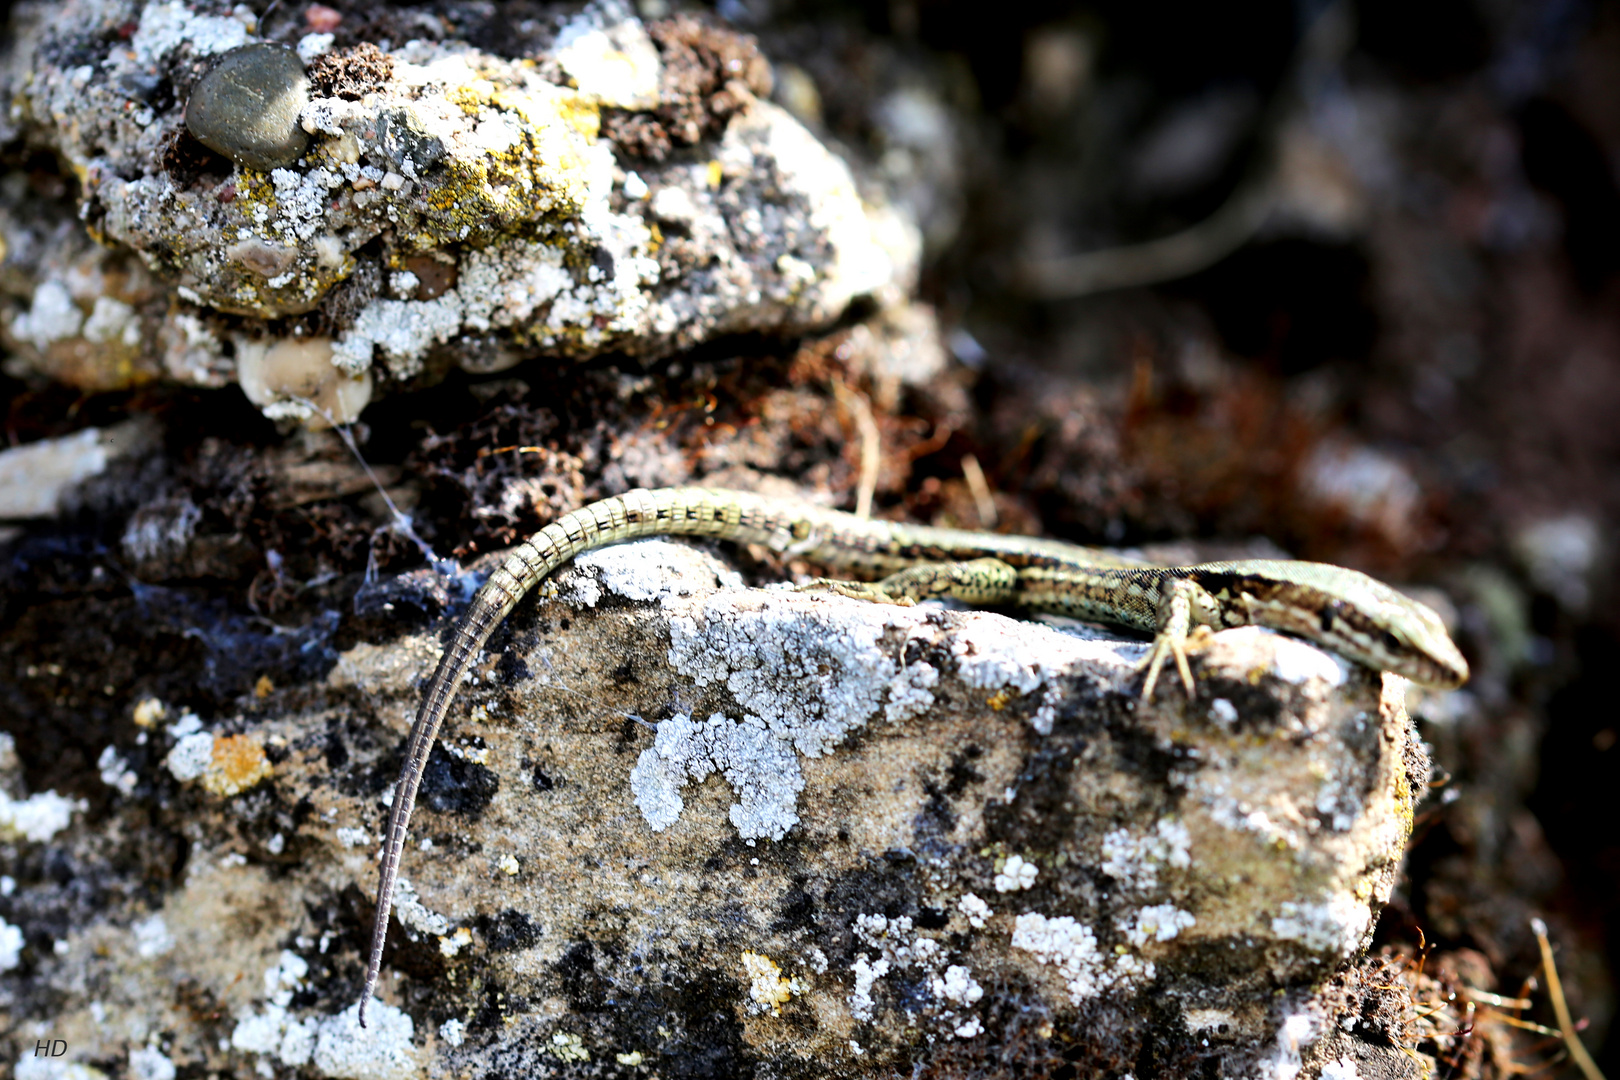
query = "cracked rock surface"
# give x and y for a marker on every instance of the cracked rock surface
(674, 823)
(606, 186)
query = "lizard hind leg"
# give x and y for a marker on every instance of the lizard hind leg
(977, 581)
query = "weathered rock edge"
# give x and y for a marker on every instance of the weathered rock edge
(942, 837)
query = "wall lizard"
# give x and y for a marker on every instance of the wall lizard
(1363, 620)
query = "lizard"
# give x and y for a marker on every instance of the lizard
(1360, 618)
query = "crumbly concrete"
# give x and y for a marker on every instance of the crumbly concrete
(463, 207)
(863, 886)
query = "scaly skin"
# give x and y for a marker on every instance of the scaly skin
(1362, 619)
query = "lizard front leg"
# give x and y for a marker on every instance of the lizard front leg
(1179, 601)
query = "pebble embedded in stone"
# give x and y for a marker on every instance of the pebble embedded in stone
(281, 376)
(247, 106)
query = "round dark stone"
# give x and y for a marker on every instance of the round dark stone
(247, 106)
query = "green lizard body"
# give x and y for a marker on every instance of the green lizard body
(1362, 619)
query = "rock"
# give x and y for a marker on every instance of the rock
(676, 821)
(296, 377)
(247, 106)
(547, 238)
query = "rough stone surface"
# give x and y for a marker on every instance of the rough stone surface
(676, 824)
(452, 206)
(247, 106)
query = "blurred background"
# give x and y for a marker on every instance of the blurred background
(1343, 276)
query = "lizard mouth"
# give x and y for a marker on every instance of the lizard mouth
(1422, 652)
(1434, 662)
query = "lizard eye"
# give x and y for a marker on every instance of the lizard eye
(1330, 611)
(1391, 642)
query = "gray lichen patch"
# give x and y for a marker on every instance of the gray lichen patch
(542, 237)
(247, 106)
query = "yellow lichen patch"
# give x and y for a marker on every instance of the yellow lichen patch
(471, 97)
(451, 944)
(765, 982)
(237, 763)
(566, 1046)
(149, 712)
(1000, 699)
(485, 197)
(583, 116)
(253, 188)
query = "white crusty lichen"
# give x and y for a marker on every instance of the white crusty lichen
(169, 24)
(867, 973)
(53, 316)
(760, 767)
(151, 1063)
(957, 985)
(804, 671)
(768, 989)
(273, 1031)
(899, 947)
(1334, 925)
(803, 680)
(11, 945)
(38, 817)
(336, 1045)
(1071, 947)
(193, 753)
(1157, 922)
(1068, 945)
(413, 914)
(607, 53)
(1015, 874)
(152, 936)
(1134, 861)
(975, 910)
(644, 571)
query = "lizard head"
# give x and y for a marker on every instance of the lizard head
(1356, 616)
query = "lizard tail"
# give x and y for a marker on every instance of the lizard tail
(634, 514)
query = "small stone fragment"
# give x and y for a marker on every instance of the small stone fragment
(295, 377)
(247, 106)
(435, 275)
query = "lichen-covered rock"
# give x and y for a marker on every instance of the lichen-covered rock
(450, 202)
(771, 832)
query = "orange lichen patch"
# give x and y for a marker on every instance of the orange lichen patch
(237, 764)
